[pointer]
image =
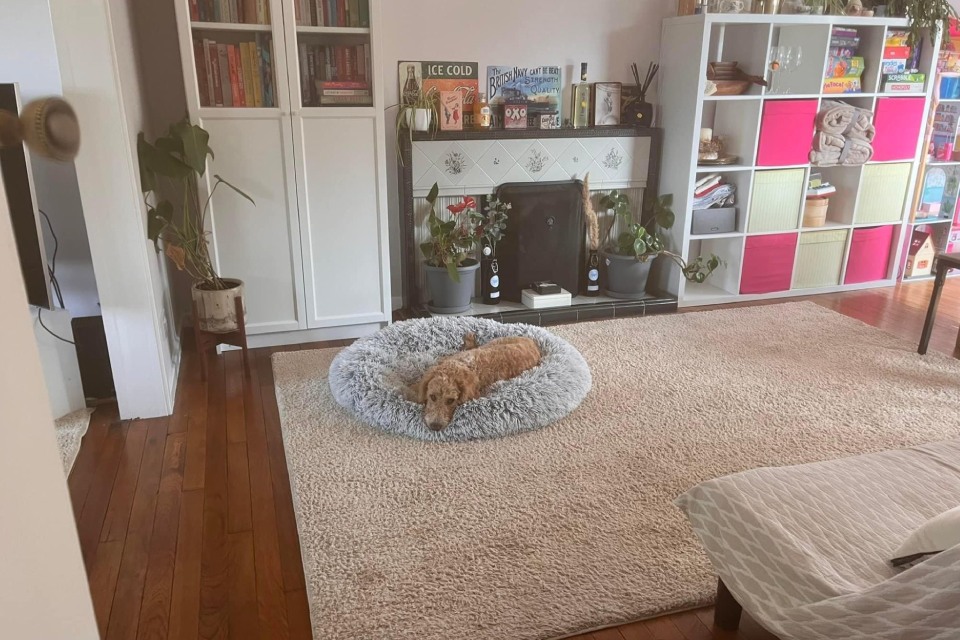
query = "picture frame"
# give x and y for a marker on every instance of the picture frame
(606, 103)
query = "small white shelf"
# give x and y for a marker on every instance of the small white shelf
(931, 221)
(720, 168)
(944, 163)
(716, 236)
(337, 31)
(742, 96)
(829, 224)
(705, 293)
(230, 26)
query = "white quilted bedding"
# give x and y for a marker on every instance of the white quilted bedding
(804, 549)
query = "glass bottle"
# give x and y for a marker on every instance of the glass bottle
(482, 113)
(581, 100)
(593, 274)
(410, 86)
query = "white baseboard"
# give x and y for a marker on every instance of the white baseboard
(282, 338)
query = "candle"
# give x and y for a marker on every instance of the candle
(706, 135)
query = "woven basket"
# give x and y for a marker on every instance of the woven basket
(815, 212)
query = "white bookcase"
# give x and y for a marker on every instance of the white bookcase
(688, 43)
(314, 252)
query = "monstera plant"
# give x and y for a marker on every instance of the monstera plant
(171, 168)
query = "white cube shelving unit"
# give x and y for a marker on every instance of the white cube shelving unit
(688, 44)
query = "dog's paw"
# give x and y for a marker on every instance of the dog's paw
(469, 341)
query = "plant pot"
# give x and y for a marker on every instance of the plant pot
(216, 310)
(626, 276)
(419, 119)
(447, 296)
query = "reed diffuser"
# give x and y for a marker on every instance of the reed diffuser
(636, 110)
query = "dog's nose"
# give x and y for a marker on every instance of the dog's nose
(433, 425)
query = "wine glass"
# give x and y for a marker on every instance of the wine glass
(792, 62)
(775, 66)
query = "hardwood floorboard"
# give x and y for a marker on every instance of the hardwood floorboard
(298, 614)
(85, 467)
(102, 577)
(94, 511)
(215, 561)
(290, 561)
(271, 601)
(158, 585)
(187, 526)
(127, 601)
(185, 595)
(244, 620)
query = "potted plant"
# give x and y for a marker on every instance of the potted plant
(631, 255)
(492, 224)
(172, 164)
(419, 113)
(932, 15)
(449, 266)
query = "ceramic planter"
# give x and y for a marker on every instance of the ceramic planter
(216, 310)
(626, 276)
(419, 119)
(447, 296)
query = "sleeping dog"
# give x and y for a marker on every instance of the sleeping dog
(467, 375)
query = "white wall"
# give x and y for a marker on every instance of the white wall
(606, 34)
(28, 55)
(98, 66)
(43, 590)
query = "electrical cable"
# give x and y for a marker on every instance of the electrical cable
(53, 280)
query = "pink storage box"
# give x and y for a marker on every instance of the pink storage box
(869, 254)
(898, 122)
(768, 263)
(786, 132)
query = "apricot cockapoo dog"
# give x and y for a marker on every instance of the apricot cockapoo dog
(467, 375)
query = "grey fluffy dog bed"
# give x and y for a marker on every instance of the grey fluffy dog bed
(368, 378)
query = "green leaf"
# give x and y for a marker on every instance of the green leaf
(639, 247)
(452, 271)
(666, 200)
(219, 179)
(169, 144)
(157, 220)
(427, 249)
(194, 141)
(160, 162)
(665, 218)
(434, 192)
(148, 181)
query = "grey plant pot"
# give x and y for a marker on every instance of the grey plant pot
(626, 276)
(447, 296)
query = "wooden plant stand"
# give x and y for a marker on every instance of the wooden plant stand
(207, 339)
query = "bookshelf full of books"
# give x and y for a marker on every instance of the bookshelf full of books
(287, 91)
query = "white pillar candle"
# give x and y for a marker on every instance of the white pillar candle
(706, 135)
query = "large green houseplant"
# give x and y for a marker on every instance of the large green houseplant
(630, 255)
(449, 264)
(929, 15)
(172, 164)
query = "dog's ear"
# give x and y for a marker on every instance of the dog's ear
(469, 384)
(469, 341)
(417, 392)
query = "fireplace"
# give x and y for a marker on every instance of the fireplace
(544, 238)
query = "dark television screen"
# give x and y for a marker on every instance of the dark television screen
(15, 168)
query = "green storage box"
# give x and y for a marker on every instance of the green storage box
(776, 200)
(820, 259)
(883, 188)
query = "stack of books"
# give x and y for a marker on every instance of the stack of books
(332, 13)
(844, 66)
(335, 75)
(248, 11)
(899, 76)
(234, 75)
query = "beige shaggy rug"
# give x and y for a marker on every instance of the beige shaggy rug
(70, 429)
(572, 527)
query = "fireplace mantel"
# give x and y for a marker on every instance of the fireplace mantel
(475, 162)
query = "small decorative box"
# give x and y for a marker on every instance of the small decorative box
(514, 116)
(550, 121)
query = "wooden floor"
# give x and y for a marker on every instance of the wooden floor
(187, 526)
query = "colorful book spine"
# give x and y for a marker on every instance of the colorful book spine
(364, 13)
(198, 63)
(236, 77)
(194, 10)
(266, 70)
(208, 75)
(224, 66)
(246, 63)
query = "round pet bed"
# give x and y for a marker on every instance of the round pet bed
(369, 377)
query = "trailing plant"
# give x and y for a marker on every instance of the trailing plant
(172, 164)
(492, 223)
(643, 241)
(407, 113)
(930, 15)
(452, 241)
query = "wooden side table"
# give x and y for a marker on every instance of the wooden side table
(945, 262)
(207, 339)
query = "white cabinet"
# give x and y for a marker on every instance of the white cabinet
(313, 253)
